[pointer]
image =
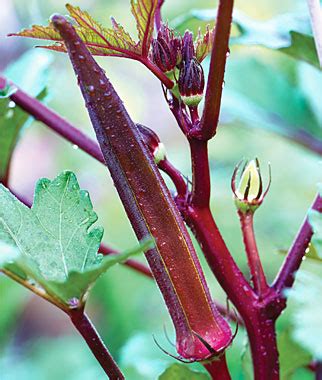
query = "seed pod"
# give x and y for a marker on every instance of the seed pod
(201, 332)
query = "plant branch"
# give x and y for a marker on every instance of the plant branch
(96, 345)
(316, 22)
(55, 122)
(210, 117)
(254, 261)
(36, 290)
(292, 262)
(157, 72)
(179, 182)
(200, 196)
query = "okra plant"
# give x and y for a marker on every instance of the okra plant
(52, 245)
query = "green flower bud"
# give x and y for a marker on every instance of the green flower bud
(249, 191)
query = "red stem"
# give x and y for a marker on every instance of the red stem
(58, 124)
(200, 173)
(218, 369)
(263, 345)
(96, 345)
(157, 72)
(136, 265)
(176, 177)
(210, 117)
(318, 371)
(292, 262)
(254, 261)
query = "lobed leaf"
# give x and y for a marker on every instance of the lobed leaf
(56, 239)
(307, 323)
(102, 41)
(143, 12)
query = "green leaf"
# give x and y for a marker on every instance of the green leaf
(100, 40)
(78, 284)
(257, 98)
(291, 355)
(315, 219)
(182, 372)
(30, 72)
(143, 12)
(288, 33)
(307, 321)
(56, 239)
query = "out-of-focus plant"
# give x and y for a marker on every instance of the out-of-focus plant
(51, 246)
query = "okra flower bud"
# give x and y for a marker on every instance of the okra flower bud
(249, 191)
(191, 82)
(166, 49)
(188, 49)
(153, 142)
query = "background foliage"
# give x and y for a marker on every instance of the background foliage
(268, 96)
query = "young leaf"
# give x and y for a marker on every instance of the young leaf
(58, 245)
(203, 44)
(100, 40)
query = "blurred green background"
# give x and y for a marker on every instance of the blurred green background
(37, 341)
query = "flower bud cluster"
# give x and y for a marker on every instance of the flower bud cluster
(172, 54)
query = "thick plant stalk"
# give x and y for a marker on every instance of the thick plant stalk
(150, 208)
(262, 340)
(208, 124)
